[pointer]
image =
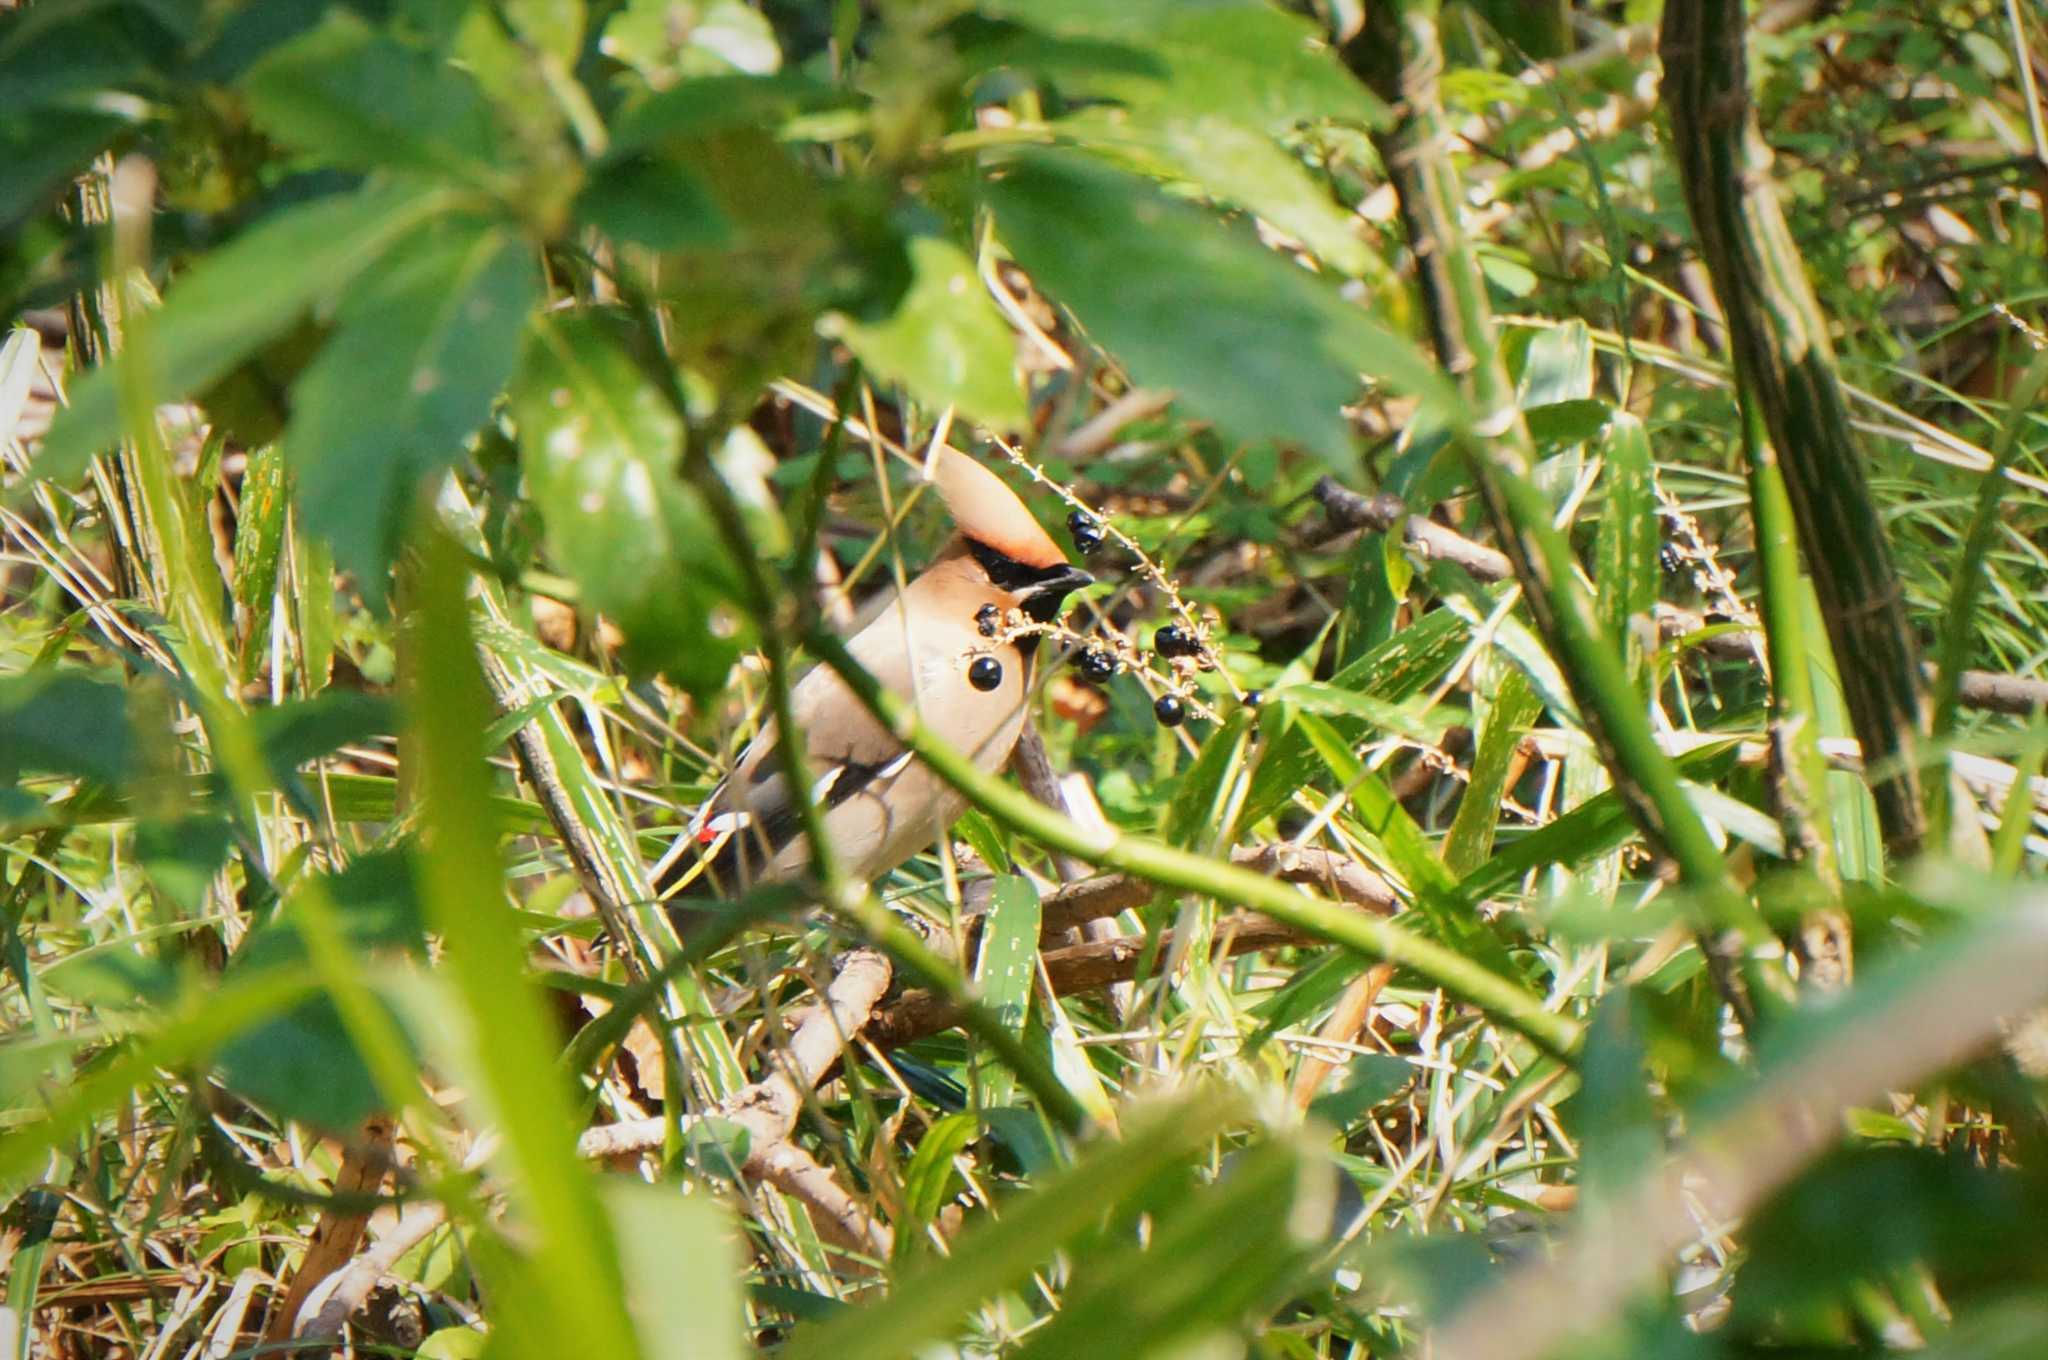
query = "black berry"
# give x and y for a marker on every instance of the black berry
(1097, 664)
(987, 618)
(985, 674)
(1087, 534)
(1254, 697)
(1169, 711)
(1174, 640)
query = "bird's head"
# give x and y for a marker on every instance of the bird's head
(1003, 537)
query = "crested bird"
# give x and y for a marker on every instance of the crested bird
(940, 643)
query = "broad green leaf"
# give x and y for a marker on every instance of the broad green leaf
(237, 298)
(44, 152)
(348, 95)
(1613, 1114)
(600, 447)
(303, 1064)
(1567, 422)
(1237, 165)
(945, 342)
(1217, 1254)
(683, 1270)
(189, 1032)
(1243, 59)
(1370, 1080)
(1866, 1212)
(716, 103)
(652, 200)
(63, 721)
(419, 354)
(181, 857)
(1009, 957)
(1257, 345)
(1557, 366)
(928, 1303)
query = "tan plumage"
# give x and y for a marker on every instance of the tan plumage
(881, 806)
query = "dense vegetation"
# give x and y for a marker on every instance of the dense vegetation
(1587, 901)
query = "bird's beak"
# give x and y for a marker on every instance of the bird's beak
(1068, 581)
(1042, 600)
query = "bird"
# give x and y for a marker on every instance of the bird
(943, 643)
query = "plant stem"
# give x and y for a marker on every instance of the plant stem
(1785, 366)
(1180, 869)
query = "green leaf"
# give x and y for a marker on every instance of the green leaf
(653, 201)
(554, 27)
(259, 546)
(420, 353)
(190, 1032)
(1626, 556)
(930, 1174)
(1390, 672)
(1452, 916)
(236, 299)
(65, 722)
(181, 857)
(945, 342)
(1613, 1114)
(682, 1272)
(716, 103)
(1255, 344)
(1370, 1080)
(600, 448)
(569, 1272)
(1009, 955)
(1214, 1256)
(1243, 59)
(1595, 827)
(1510, 711)
(303, 1064)
(1234, 164)
(349, 96)
(44, 152)
(928, 1303)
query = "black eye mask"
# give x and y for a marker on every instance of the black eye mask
(1040, 588)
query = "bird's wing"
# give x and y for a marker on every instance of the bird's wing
(750, 818)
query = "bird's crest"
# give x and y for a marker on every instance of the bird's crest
(988, 512)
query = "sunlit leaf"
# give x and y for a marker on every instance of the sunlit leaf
(238, 297)
(350, 96)
(601, 449)
(418, 356)
(1247, 340)
(945, 342)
